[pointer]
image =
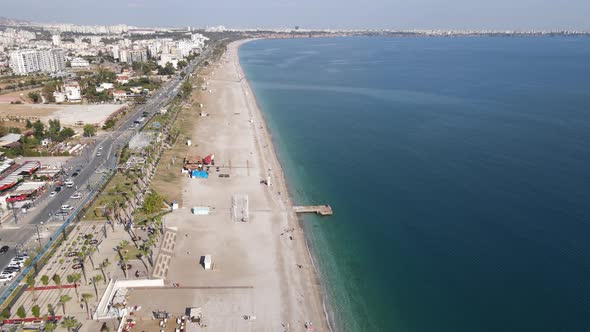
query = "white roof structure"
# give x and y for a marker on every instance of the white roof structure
(28, 187)
(207, 262)
(9, 138)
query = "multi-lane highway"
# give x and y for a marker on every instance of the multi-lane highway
(22, 233)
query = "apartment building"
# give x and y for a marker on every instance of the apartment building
(23, 62)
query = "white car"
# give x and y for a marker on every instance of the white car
(76, 196)
(67, 207)
(100, 147)
(52, 194)
(99, 154)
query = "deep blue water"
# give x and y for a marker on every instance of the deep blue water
(458, 168)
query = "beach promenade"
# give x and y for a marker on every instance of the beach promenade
(261, 266)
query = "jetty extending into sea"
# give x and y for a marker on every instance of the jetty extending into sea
(322, 210)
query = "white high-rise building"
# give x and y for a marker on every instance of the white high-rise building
(123, 56)
(115, 51)
(95, 40)
(56, 40)
(24, 62)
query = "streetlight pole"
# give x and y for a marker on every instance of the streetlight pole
(38, 235)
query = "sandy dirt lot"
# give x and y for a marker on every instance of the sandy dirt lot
(67, 114)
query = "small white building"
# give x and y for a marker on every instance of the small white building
(122, 79)
(120, 95)
(79, 63)
(59, 96)
(73, 92)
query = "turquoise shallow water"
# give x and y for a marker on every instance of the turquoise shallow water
(458, 170)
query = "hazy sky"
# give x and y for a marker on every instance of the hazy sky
(396, 14)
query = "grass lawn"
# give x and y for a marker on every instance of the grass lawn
(168, 179)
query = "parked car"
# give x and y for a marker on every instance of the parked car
(61, 213)
(99, 154)
(76, 196)
(58, 189)
(52, 194)
(67, 207)
(25, 208)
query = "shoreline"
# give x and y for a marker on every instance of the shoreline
(321, 292)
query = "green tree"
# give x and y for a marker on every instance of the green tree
(39, 129)
(54, 129)
(69, 323)
(50, 327)
(152, 203)
(45, 280)
(29, 124)
(68, 64)
(168, 69)
(21, 312)
(63, 300)
(5, 313)
(57, 280)
(89, 130)
(65, 134)
(181, 64)
(110, 123)
(186, 89)
(36, 311)
(34, 96)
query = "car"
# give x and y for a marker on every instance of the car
(61, 213)
(58, 189)
(52, 194)
(100, 147)
(76, 196)
(4, 249)
(25, 208)
(99, 154)
(75, 174)
(67, 207)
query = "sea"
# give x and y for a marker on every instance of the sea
(458, 169)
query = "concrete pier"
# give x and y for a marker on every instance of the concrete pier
(322, 210)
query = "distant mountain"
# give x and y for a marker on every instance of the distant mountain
(11, 21)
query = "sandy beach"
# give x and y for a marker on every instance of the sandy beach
(261, 267)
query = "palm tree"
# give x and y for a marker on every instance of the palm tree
(124, 261)
(103, 266)
(122, 245)
(31, 285)
(85, 298)
(81, 258)
(63, 300)
(143, 253)
(96, 279)
(69, 323)
(74, 278)
(91, 251)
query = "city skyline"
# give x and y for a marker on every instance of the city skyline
(375, 14)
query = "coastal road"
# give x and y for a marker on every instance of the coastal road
(21, 234)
